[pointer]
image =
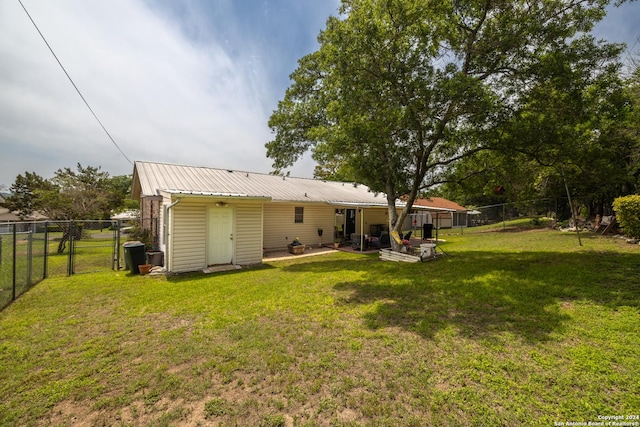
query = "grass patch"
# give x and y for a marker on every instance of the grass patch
(514, 328)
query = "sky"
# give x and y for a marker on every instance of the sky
(191, 82)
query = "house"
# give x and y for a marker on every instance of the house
(7, 217)
(200, 216)
(442, 213)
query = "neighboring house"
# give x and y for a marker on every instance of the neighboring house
(128, 215)
(206, 216)
(442, 213)
(8, 217)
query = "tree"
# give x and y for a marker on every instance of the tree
(85, 194)
(400, 90)
(586, 134)
(24, 199)
(120, 189)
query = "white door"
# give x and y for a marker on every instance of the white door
(220, 236)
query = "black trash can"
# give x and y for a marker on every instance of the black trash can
(427, 231)
(134, 256)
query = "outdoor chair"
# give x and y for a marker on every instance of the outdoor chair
(384, 241)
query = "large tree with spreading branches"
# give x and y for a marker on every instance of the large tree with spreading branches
(400, 90)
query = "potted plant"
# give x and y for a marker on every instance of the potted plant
(296, 247)
(336, 242)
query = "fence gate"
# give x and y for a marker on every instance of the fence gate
(92, 247)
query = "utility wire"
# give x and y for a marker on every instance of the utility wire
(630, 50)
(74, 85)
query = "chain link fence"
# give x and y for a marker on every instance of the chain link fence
(32, 251)
(502, 212)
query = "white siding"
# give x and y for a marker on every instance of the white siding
(188, 237)
(248, 235)
(188, 233)
(280, 228)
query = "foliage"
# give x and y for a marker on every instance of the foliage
(597, 144)
(120, 189)
(401, 90)
(24, 198)
(141, 234)
(87, 193)
(491, 334)
(627, 210)
(84, 194)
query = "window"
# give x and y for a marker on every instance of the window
(299, 216)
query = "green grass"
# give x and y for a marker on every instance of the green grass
(92, 253)
(510, 328)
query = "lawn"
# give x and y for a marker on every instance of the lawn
(92, 253)
(509, 328)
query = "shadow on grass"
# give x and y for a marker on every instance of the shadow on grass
(482, 294)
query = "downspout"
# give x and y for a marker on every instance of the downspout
(165, 225)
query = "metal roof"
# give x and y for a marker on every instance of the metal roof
(149, 179)
(438, 203)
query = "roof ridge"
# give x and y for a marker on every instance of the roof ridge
(248, 172)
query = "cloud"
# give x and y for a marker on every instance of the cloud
(189, 82)
(167, 89)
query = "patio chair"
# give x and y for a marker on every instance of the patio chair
(384, 241)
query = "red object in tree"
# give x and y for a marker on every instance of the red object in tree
(499, 190)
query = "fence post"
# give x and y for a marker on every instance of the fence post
(115, 259)
(46, 250)
(70, 259)
(29, 257)
(14, 268)
(119, 260)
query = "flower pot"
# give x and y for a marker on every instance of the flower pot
(296, 249)
(144, 268)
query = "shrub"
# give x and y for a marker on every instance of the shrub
(627, 210)
(140, 234)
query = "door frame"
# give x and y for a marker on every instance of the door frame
(350, 227)
(232, 244)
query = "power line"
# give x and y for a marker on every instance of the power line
(74, 85)
(630, 50)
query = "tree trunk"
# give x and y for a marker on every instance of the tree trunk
(63, 240)
(68, 230)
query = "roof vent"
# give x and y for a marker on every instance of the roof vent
(229, 170)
